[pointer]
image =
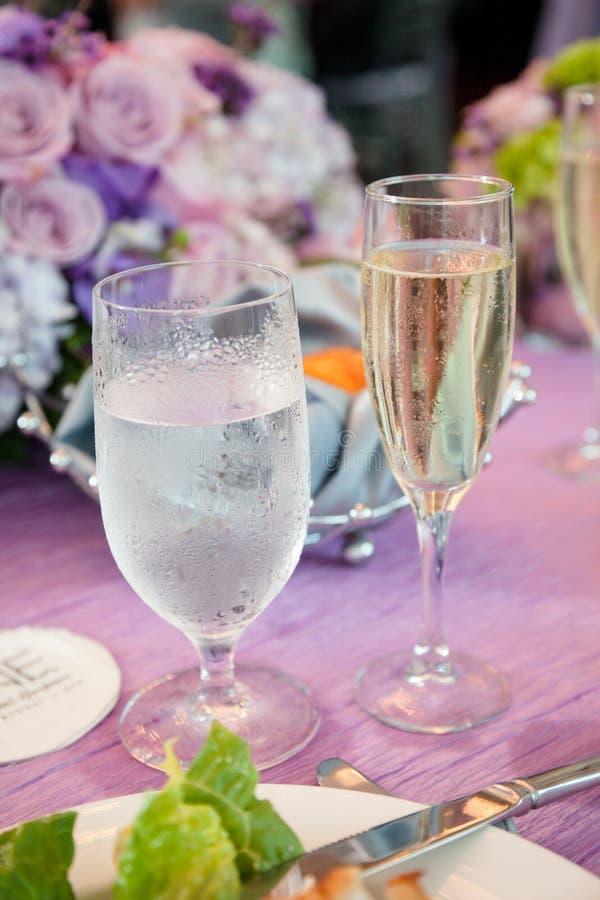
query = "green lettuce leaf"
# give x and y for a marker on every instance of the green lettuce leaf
(177, 851)
(270, 841)
(579, 63)
(205, 831)
(530, 162)
(223, 776)
(35, 858)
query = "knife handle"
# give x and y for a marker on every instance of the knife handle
(546, 787)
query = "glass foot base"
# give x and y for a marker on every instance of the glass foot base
(274, 714)
(431, 703)
(580, 462)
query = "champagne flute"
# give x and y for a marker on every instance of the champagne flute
(437, 307)
(578, 224)
(203, 475)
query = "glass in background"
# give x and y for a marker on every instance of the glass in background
(578, 231)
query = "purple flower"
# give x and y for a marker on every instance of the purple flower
(127, 244)
(253, 25)
(72, 38)
(295, 223)
(123, 186)
(31, 39)
(24, 36)
(235, 93)
(306, 218)
(85, 275)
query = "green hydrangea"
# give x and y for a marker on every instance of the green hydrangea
(530, 162)
(579, 63)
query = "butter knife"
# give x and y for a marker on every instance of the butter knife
(403, 838)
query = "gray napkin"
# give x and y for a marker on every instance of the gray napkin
(347, 462)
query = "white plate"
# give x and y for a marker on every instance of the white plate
(490, 865)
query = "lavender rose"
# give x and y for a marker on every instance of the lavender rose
(53, 218)
(128, 110)
(35, 122)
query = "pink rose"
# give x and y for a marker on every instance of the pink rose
(232, 235)
(189, 47)
(35, 122)
(514, 108)
(52, 218)
(190, 179)
(228, 235)
(128, 110)
(174, 52)
(520, 105)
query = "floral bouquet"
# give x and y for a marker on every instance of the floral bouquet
(169, 145)
(514, 132)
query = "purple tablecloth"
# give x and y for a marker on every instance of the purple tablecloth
(523, 587)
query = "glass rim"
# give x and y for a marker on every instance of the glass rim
(192, 263)
(505, 189)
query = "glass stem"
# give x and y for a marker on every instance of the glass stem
(431, 655)
(217, 674)
(592, 433)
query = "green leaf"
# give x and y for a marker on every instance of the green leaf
(270, 843)
(171, 766)
(223, 776)
(177, 851)
(35, 858)
(205, 830)
(179, 239)
(530, 162)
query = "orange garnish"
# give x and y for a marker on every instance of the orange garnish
(405, 887)
(340, 366)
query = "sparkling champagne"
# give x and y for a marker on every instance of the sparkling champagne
(578, 230)
(437, 338)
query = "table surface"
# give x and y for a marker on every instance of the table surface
(522, 586)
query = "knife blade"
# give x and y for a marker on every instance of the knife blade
(402, 838)
(334, 772)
